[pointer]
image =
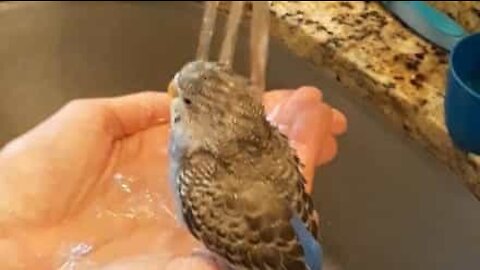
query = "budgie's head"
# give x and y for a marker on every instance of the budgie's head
(212, 105)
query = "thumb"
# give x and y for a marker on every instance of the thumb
(135, 112)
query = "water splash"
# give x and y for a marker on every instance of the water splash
(123, 182)
(75, 257)
(206, 32)
(231, 34)
(140, 202)
(164, 207)
(259, 39)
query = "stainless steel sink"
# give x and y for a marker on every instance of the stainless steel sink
(386, 204)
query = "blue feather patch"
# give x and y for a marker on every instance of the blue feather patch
(311, 248)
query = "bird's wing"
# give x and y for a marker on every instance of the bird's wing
(245, 222)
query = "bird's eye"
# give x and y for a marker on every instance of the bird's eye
(187, 101)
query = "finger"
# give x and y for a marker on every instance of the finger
(339, 122)
(328, 152)
(317, 93)
(311, 125)
(309, 132)
(274, 98)
(137, 112)
(299, 100)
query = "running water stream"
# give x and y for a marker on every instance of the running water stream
(259, 37)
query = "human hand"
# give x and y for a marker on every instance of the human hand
(87, 187)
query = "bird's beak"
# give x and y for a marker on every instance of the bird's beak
(172, 89)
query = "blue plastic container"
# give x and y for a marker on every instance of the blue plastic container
(462, 101)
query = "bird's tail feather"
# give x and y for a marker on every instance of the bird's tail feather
(312, 249)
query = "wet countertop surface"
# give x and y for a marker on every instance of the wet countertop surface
(381, 60)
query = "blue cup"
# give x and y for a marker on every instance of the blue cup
(462, 101)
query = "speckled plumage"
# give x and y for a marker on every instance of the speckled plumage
(237, 179)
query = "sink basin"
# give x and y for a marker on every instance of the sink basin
(385, 203)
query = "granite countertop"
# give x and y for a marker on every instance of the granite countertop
(467, 13)
(399, 72)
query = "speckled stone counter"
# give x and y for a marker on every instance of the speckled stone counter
(399, 72)
(467, 13)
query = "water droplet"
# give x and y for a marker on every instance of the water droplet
(74, 256)
(161, 120)
(81, 249)
(271, 117)
(169, 212)
(123, 182)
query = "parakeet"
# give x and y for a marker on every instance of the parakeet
(237, 181)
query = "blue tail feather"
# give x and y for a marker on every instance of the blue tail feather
(312, 249)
